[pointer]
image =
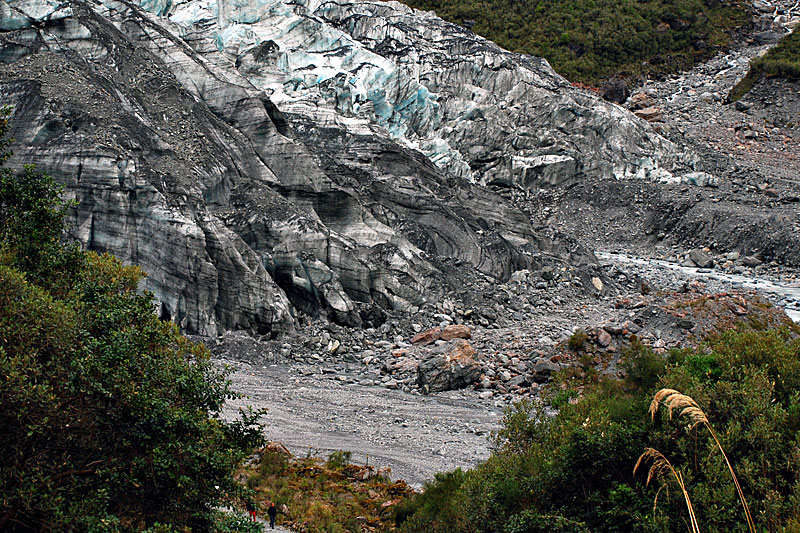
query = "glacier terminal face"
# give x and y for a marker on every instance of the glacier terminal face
(261, 158)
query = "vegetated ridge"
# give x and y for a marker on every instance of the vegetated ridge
(574, 472)
(781, 61)
(591, 40)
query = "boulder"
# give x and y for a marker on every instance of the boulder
(451, 366)
(427, 337)
(456, 331)
(520, 276)
(597, 283)
(641, 101)
(751, 261)
(603, 338)
(650, 114)
(615, 90)
(701, 258)
(542, 370)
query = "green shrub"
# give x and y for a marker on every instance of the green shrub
(436, 509)
(577, 464)
(577, 340)
(562, 397)
(529, 522)
(109, 418)
(339, 459)
(273, 463)
(642, 366)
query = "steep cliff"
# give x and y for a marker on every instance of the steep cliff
(260, 157)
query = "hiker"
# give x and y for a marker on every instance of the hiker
(251, 509)
(272, 512)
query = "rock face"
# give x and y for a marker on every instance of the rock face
(263, 158)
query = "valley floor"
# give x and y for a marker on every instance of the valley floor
(319, 404)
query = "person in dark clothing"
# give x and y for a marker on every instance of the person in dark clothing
(272, 512)
(251, 510)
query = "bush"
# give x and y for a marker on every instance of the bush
(642, 366)
(577, 340)
(339, 459)
(109, 418)
(530, 522)
(574, 469)
(436, 509)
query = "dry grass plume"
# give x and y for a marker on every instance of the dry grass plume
(688, 408)
(658, 469)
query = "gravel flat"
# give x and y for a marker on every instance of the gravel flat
(413, 434)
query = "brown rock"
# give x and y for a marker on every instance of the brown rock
(603, 338)
(427, 337)
(364, 474)
(456, 331)
(640, 101)
(277, 447)
(650, 114)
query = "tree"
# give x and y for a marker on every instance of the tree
(110, 420)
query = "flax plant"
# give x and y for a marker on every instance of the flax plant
(686, 406)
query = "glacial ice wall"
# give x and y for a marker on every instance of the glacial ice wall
(475, 110)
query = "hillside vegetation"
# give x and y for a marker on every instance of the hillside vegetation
(782, 61)
(332, 496)
(109, 418)
(575, 472)
(591, 40)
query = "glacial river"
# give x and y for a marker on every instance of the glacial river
(785, 295)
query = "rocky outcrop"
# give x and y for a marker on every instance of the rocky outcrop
(264, 159)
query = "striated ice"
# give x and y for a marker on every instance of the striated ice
(475, 110)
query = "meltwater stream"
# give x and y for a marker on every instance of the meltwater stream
(784, 295)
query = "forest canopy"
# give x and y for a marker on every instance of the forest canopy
(589, 41)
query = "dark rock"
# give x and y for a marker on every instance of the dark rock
(751, 261)
(517, 381)
(615, 90)
(685, 323)
(543, 369)
(741, 106)
(766, 37)
(548, 273)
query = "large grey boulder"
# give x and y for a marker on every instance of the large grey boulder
(449, 366)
